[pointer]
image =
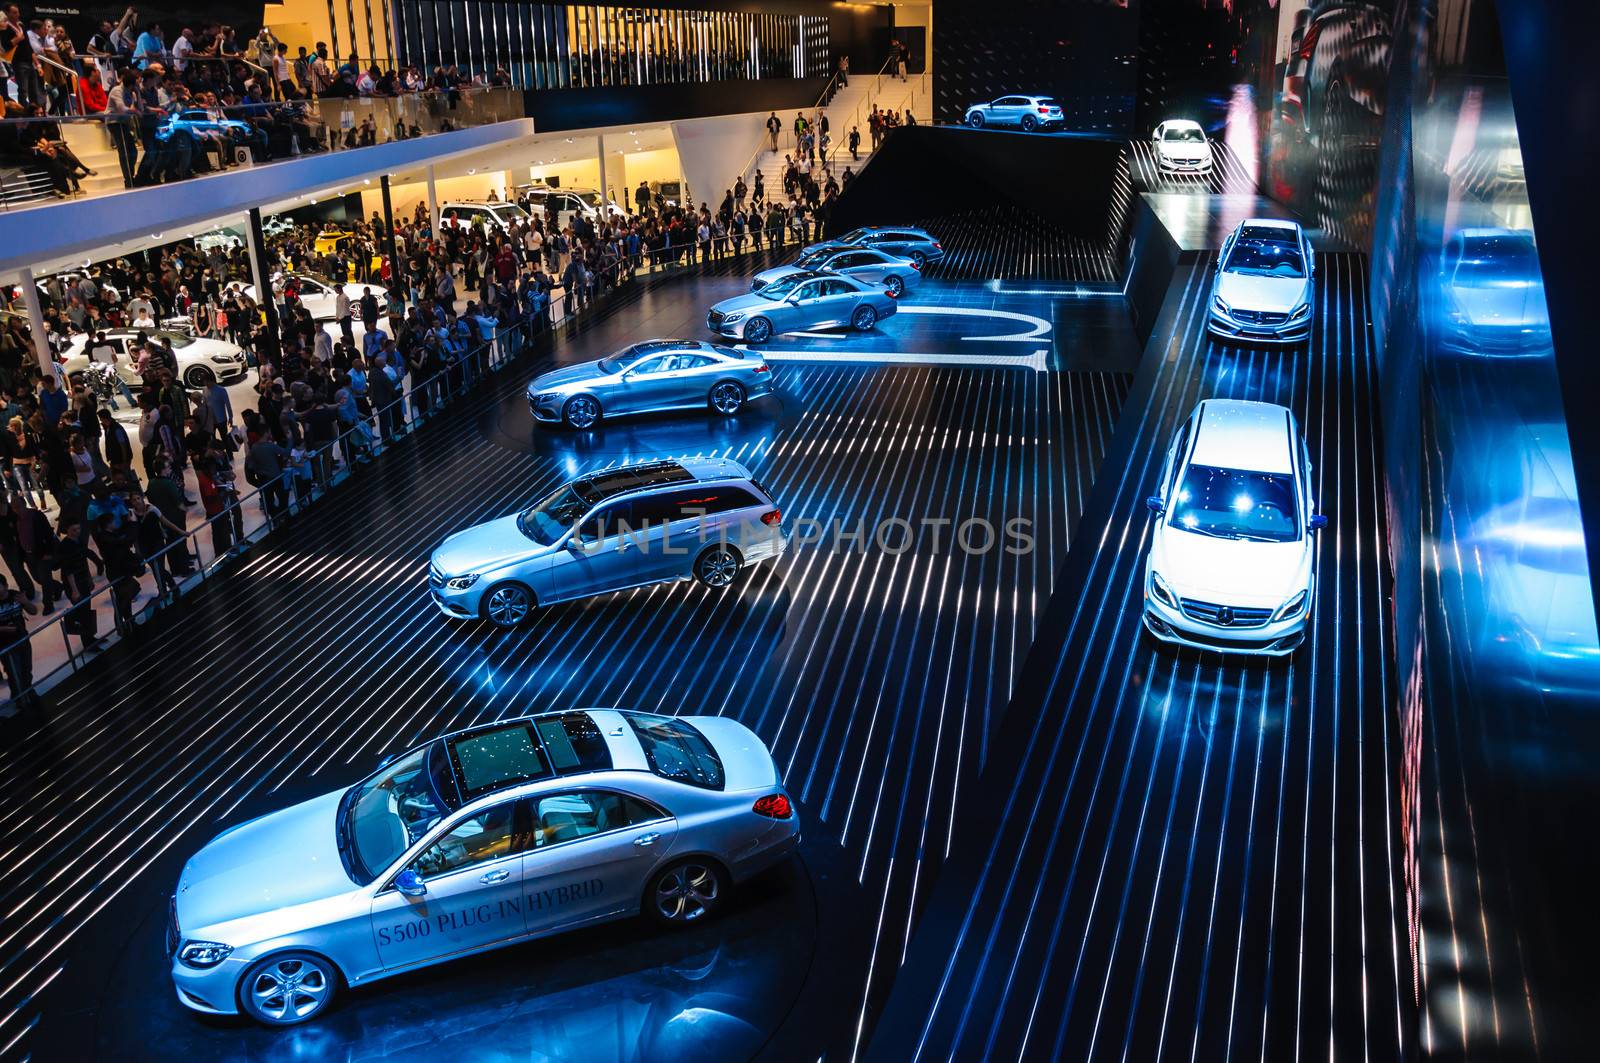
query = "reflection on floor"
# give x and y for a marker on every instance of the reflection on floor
(873, 673)
(1185, 857)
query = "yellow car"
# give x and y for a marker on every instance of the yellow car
(335, 241)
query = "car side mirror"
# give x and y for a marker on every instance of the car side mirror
(1318, 521)
(409, 882)
(1154, 504)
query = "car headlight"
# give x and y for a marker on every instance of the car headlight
(1161, 592)
(1303, 310)
(547, 396)
(461, 583)
(1293, 607)
(1216, 301)
(203, 954)
(737, 315)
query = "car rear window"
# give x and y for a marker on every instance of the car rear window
(674, 750)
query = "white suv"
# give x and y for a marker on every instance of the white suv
(492, 215)
(1263, 285)
(1231, 563)
(1181, 147)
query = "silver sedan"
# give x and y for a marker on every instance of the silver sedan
(497, 834)
(649, 377)
(801, 301)
(862, 263)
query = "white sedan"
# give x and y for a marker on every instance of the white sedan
(1181, 147)
(200, 361)
(319, 295)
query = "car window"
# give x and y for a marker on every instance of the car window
(652, 365)
(839, 288)
(559, 818)
(810, 291)
(675, 750)
(475, 840)
(691, 361)
(605, 521)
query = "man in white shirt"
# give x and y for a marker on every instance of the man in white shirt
(182, 48)
(139, 306)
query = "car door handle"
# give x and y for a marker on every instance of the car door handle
(646, 839)
(495, 876)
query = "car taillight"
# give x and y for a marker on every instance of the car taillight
(772, 518)
(917, 267)
(937, 246)
(890, 293)
(763, 368)
(773, 806)
(1044, 110)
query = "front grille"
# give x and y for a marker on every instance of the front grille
(174, 933)
(714, 319)
(1261, 317)
(435, 577)
(1225, 615)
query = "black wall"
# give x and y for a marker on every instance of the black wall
(1068, 181)
(1080, 51)
(557, 109)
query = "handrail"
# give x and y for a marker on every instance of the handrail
(490, 356)
(67, 70)
(750, 163)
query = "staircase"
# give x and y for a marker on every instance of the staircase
(850, 106)
(92, 144)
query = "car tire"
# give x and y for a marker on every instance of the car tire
(718, 566)
(975, 119)
(896, 285)
(863, 319)
(287, 989)
(920, 258)
(199, 377)
(1029, 123)
(685, 892)
(726, 397)
(506, 605)
(757, 330)
(581, 412)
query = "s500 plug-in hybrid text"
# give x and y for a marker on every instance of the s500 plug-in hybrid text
(478, 839)
(649, 377)
(609, 531)
(1232, 556)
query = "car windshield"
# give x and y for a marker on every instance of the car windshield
(382, 817)
(676, 751)
(1236, 504)
(616, 363)
(808, 261)
(1184, 136)
(510, 210)
(1498, 262)
(548, 521)
(780, 288)
(1266, 258)
(854, 236)
(177, 339)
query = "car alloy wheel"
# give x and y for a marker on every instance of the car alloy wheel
(758, 330)
(864, 318)
(975, 119)
(582, 412)
(199, 377)
(686, 892)
(896, 286)
(507, 605)
(727, 398)
(920, 258)
(1029, 123)
(287, 989)
(718, 566)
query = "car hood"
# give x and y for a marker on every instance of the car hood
(1230, 571)
(1184, 152)
(282, 859)
(354, 291)
(581, 373)
(767, 276)
(744, 304)
(1270, 294)
(1506, 306)
(488, 545)
(204, 348)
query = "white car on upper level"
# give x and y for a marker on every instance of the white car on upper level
(1262, 289)
(1232, 557)
(492, 215)
(1181, 147)
(1026, 113)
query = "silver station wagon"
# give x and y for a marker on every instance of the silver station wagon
(482, 838)
(610, 531)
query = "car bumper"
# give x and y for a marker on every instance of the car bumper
(212, 991)
(775, 846)
(228, 374)
(1297, 331)
(731, 329)
(1172, 626)
(458, 604)
(547, 410)
(1175, 166)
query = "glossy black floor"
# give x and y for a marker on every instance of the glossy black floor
(874, 676)
(1181, 857)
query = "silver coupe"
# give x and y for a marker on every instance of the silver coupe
(799, 302)
(648, 377)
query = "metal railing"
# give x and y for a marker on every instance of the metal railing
(747, 173)
(219, 539)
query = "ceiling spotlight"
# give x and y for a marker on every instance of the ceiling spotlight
(569, 140)
(155, 236)
(367, 181)
(472, 170)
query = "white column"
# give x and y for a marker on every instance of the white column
(255, 261)
(41, 348)
(433, 203)
(600, 142)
